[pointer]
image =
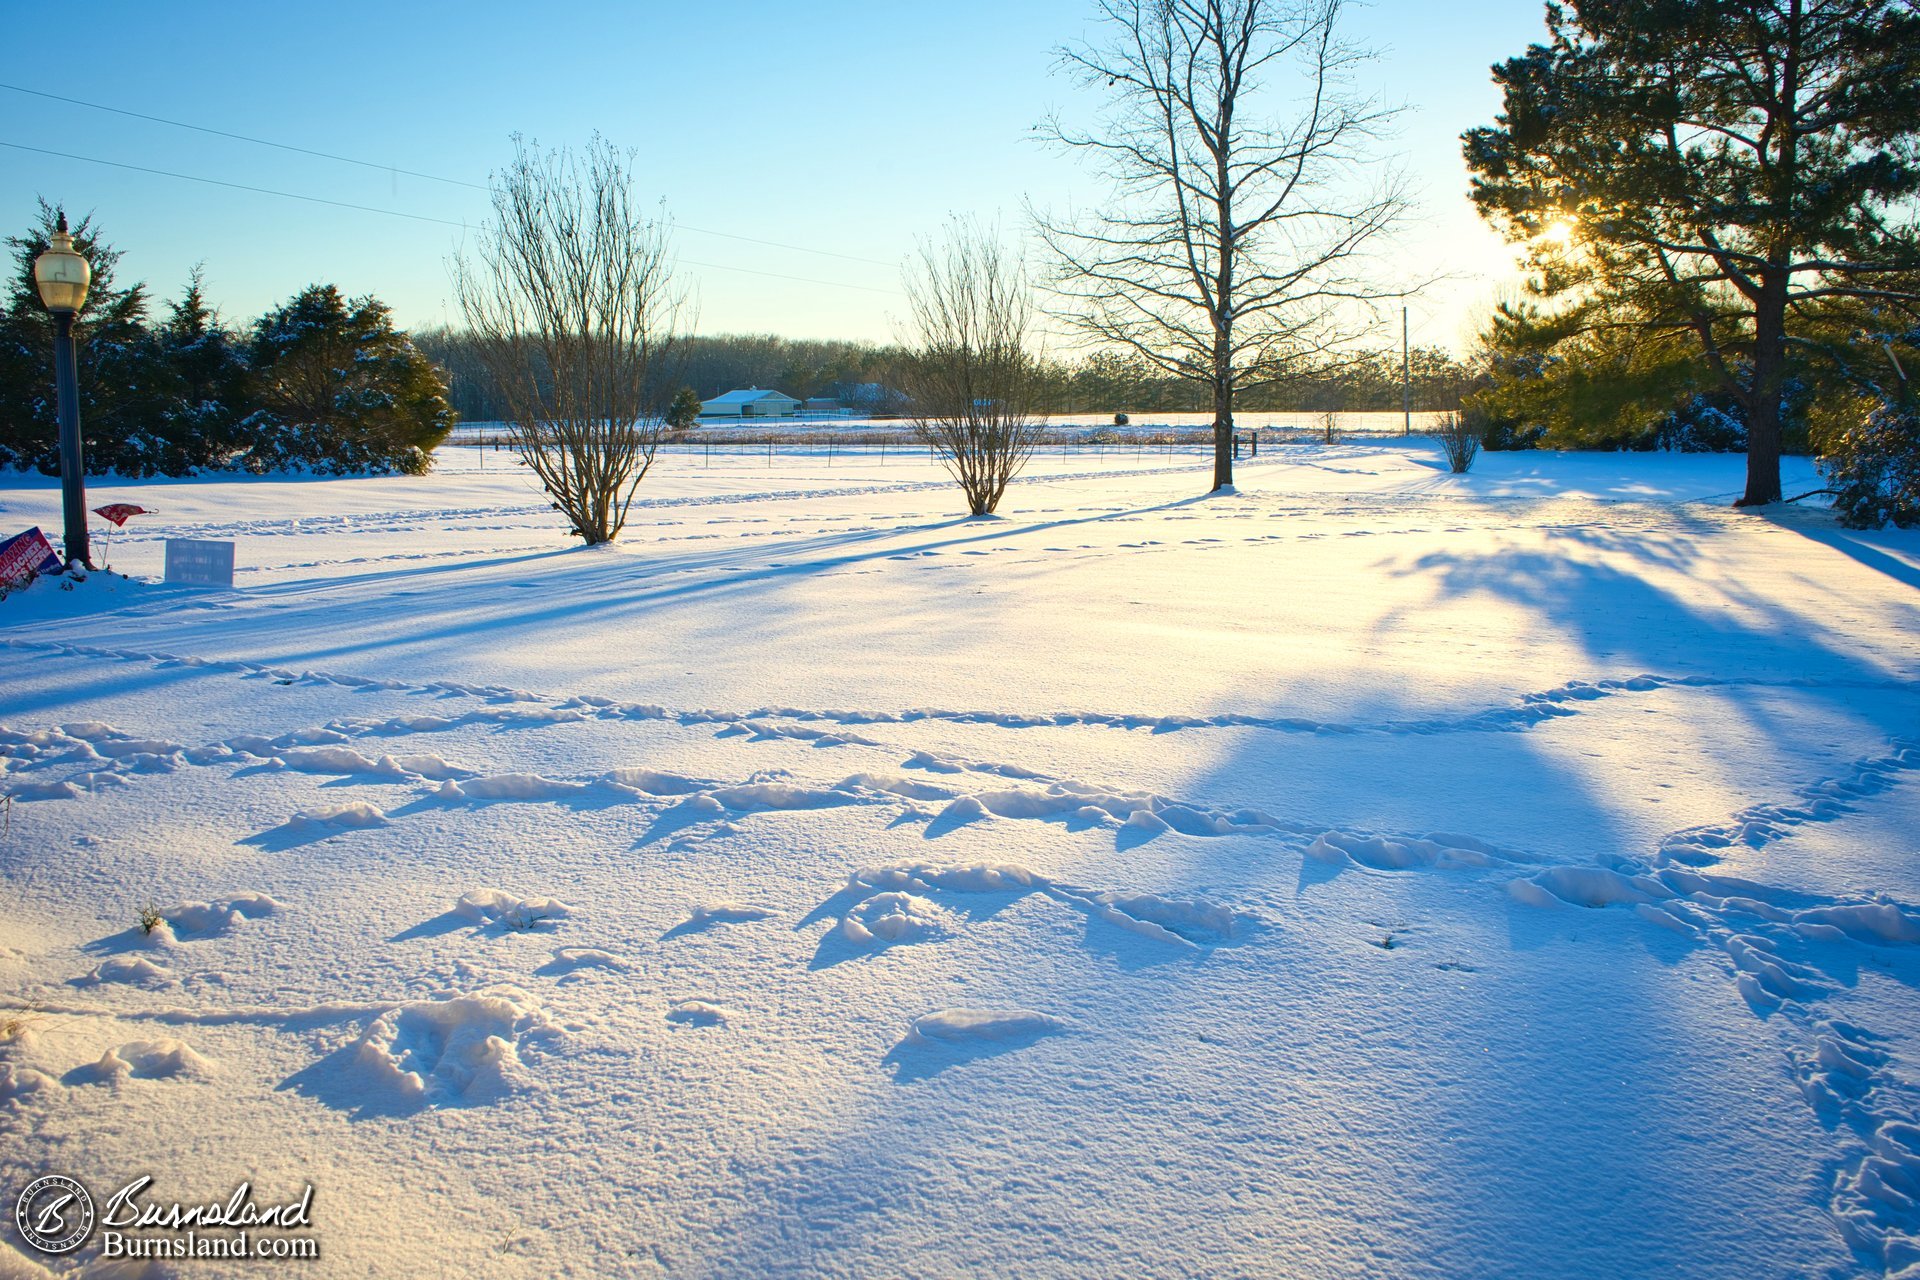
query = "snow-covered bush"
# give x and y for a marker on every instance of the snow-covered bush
(1874, 466)
(1701, 426)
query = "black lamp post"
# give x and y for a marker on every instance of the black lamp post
(62, 276)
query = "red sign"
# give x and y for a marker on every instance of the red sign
(119, 511)
(26, 554)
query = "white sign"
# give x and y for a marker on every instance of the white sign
(199, 562)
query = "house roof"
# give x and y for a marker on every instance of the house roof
(751, 395)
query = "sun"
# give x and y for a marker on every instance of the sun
(1560, 231)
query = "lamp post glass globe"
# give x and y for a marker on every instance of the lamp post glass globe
(61, 274)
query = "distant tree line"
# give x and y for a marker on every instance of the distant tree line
(322, 383)
(871, 376)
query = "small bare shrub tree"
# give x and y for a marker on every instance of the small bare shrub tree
(969, 370)
(571, 294)
(1459, 435)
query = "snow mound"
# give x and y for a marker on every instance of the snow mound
(722, 913)
(334, 760)
(964, 809)
(654, 783)
(464, 1048)
(1191, 920)
(355, 815)
(420, 766)
(1885, 923)
(20, 1085)
(162, 1059)
(696, 1013)
(43, 791)
(493, 906)
(776, 795)
(958, 877)
(207, 919)
(959, 1026)
(510, 786)
(567, 959)
(132, 970)
(1382, 853)
(893, 784)
(891, 916)
(1586, 887)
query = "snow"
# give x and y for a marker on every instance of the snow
(1370, 871)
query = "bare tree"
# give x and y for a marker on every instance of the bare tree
(571, 295)
(1229, 252)
(969, 369)
(1460, 434)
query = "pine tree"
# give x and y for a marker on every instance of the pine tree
(341, 390)
(120, 384)
(1711, 171)
(685, 409)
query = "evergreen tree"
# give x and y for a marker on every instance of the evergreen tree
(341, 390)
(1707, 172)
(122, 391)
(685, 409)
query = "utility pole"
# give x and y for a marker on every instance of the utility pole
(1406, 383)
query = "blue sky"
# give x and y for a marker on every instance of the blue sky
(850, 128)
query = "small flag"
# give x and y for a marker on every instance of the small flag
(119, 511)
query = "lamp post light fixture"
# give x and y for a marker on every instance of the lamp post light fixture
(62, 276)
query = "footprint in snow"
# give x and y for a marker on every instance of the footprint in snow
(948, 1037)
(162, 1059)
(707, 915)
(697, 1013)
(567, 962)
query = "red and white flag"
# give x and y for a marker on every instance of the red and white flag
(119, 511)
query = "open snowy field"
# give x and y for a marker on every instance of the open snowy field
(1369, 873)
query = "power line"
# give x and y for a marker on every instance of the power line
(241, 137)
(395, 213)
(388, 168)
(237, 186)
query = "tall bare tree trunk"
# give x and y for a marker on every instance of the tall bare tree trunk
(1223, 414)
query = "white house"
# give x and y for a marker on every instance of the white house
(751, 403)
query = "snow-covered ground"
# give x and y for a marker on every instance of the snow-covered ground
(1370, 872)
(1060, 424)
